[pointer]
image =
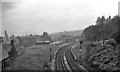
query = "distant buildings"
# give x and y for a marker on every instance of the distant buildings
(98, 22)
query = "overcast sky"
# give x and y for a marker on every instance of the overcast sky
(20, 17)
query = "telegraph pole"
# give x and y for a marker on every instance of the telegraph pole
(102, 28)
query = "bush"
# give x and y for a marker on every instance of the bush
(103, 57)
(110, 42)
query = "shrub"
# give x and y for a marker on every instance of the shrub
(111, 42)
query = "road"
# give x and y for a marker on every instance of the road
(65, 51)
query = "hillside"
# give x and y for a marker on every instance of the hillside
(66, 33)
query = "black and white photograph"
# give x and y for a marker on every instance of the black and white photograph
(59, 35)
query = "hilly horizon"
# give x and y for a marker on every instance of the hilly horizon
(66, 33)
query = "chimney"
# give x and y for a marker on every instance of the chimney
(109, 17)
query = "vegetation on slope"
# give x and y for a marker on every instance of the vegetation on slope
(101, 57)
(94, 53)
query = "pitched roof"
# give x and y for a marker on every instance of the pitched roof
(4, 49)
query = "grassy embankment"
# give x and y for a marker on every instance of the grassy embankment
(99, 57)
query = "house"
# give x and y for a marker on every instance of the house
(43, 39)
(8, 51)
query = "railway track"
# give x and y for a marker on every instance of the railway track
(60, 65)
(72, 62)
(65, 51)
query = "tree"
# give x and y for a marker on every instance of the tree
(111, 30)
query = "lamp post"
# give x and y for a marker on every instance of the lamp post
(50, 53)
(81, 41)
